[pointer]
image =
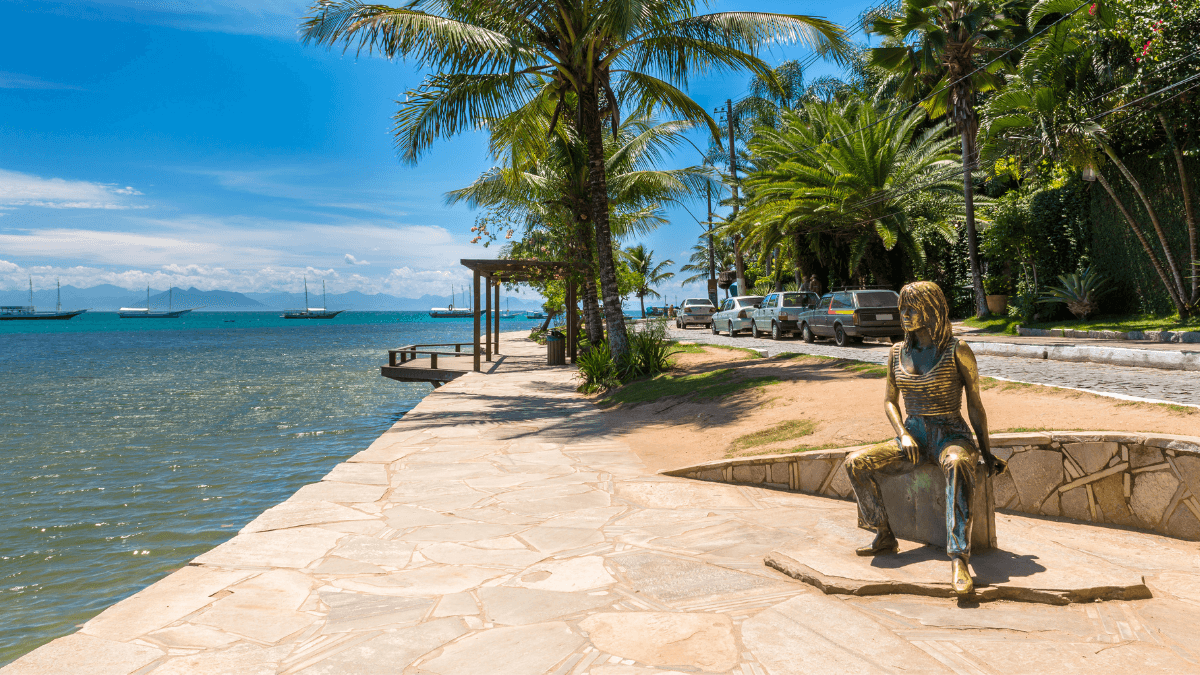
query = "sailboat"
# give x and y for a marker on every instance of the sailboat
(147, 313)
(321, 312)
(27, 312)
(450, 312)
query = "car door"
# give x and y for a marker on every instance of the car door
(762, 315)
(841, 310)
(820, 324)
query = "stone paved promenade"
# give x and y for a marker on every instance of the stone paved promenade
(501, 529)
(1143, 383)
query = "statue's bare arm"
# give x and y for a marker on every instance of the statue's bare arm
(891, 406)
(968, 370)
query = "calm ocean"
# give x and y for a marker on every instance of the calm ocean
(128, 447)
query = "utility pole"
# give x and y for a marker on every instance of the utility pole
(712, 257)
(739, 263)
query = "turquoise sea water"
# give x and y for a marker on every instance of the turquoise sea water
(129, 446)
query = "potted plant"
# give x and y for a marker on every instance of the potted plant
(997, 295)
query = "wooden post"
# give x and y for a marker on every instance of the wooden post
(433, 361)
(572, 320)
(476, 306)
(487, 316)
(497, 317)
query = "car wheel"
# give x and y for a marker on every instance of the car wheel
(732, 333)
(713, 326)
(753, 328)
(839, 336)
(807, 334)
(776, 333)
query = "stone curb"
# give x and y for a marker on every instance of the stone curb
(1115, 356)
(1192, 337)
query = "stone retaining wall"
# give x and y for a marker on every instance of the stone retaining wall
(1148, 482)
(1149, 335)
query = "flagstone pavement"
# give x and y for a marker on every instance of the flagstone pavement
(501, 528)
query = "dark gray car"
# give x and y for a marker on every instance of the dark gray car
(779, 313)
(849, 316)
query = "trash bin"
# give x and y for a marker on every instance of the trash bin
(556, 349)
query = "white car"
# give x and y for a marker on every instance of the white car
(735, 314)
(694, 311)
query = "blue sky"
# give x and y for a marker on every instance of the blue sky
(200, 144)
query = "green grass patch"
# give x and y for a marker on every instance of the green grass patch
(1002, 325)
(692, 348)
(784, 431)
(867, 369)
(713, 384)
(797, 449)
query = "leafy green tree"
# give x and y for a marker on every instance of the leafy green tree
(949, 43)
(820, 180)
(490, 58)
(547, 193)
(646, 273)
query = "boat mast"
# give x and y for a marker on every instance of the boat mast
(170, 298)
(147, 298)
(324, 299)
(58, 305)
(31, 291)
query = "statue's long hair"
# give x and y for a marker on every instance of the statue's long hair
(927, 298)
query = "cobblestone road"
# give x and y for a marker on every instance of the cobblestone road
(1144, 383)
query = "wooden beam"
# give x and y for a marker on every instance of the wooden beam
(572, 321)
(497, 317)
(476, 312)
(487, 316)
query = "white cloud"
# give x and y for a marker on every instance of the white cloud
(19, 81)
(351, 260)
(22, 189)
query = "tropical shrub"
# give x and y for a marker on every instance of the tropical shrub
(598, 370)
(1079, 292)
(650, 351)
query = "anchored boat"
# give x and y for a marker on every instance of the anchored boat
(28, 312)
(147, 313)
(322, 312)
(450, 312)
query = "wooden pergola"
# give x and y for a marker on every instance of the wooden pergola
(490, 274)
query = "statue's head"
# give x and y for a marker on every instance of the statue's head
(923, 305)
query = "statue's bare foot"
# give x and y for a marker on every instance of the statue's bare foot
(961, 577)
(885, 542)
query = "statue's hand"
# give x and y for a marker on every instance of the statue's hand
(910, 448)
(994, 465)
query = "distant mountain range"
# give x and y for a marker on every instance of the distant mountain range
(107, 297)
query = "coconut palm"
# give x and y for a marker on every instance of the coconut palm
(547, 189)
(944, 44)
(645, 273)
(490, 58)
(697, 265)
(820, 183)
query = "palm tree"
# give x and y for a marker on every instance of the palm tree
(490, 58)
(548, 191)
(818, 181)
(697, 265)
(645, 273)
(943, 44)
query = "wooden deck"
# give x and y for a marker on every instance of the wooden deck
(518, 352)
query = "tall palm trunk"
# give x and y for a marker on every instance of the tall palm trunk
(591, 311)
(1179, 289)
(1137, 231)
(1189, 210)
(968, 152)
(593, 133)
(642, 301)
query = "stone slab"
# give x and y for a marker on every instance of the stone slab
(916, 507)
(1024, 567)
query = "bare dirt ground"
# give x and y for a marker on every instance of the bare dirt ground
(842, 407)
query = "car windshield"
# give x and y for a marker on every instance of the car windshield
(794, 299)
(877, 299)
(751, 301)
(693, 302)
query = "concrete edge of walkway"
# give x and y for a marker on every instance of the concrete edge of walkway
(1114, 356)
(1172, 336)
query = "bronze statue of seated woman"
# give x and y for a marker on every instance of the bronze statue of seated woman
(931, 370)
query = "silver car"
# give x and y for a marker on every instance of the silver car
(778, 313)
(734, 314)
(694, 311)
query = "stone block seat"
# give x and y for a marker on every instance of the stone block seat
(916, 506)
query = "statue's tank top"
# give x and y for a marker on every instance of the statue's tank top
(938, 391)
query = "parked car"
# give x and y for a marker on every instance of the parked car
(779, 313)
(850, 315)
(734, 314)
(694, 311)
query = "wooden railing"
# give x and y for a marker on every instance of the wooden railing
(410, 352)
